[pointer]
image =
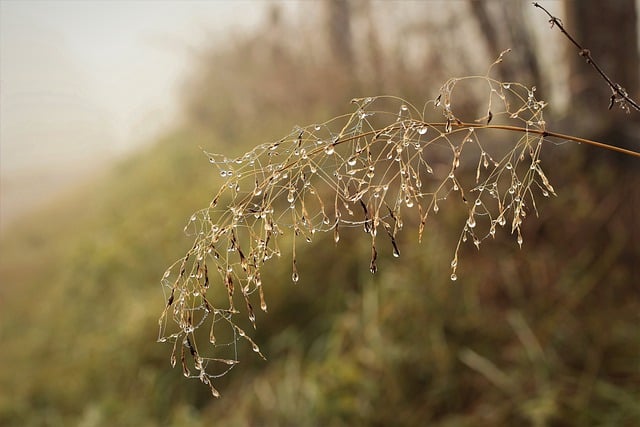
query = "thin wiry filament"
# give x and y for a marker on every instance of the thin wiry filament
(385, 165)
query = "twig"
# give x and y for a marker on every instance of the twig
(543, 133)
(619, 94)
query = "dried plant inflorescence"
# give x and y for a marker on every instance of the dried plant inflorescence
(385, 165)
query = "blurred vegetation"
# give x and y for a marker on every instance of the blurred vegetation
(546, 335)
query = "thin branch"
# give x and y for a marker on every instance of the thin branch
(544, 133)
(619, 94)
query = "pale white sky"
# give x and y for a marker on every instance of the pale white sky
(83, 81)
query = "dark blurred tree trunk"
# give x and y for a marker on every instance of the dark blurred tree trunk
(609, 29)
(339, 31)
(503, 26)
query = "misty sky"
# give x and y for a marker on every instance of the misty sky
(83, 81)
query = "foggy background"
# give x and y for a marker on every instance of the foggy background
(105, 111)
(83, 83)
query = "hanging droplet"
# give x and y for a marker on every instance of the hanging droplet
(422, 130)
(454, 277)
(408, 201)
(448, 127)
(329, 150)
(396, 252)
(471, 222)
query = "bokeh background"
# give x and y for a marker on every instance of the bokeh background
(106, 108)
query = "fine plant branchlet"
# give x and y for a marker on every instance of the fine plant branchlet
(619, 95)
(386, 168)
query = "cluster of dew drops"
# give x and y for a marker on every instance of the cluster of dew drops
(368, 169)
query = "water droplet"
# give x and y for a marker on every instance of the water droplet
(471, 222)
(295, 277)
(351, 161)
(166, 274)
(447, 127)
(506, 85)
(454, 277)
(422, 130)
(403, 107)
(291, 196)
(329, 150)
(223, 173)
(317, 127)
